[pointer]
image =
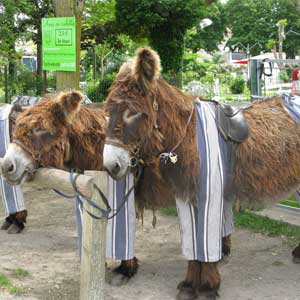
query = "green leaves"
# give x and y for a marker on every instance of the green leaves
(254, 21)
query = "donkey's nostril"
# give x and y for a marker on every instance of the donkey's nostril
(116, 169)
(8, 166)
(11, 168)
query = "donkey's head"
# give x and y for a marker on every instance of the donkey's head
(40, 138)
(132, 108)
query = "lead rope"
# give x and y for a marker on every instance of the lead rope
(105, 212)
(171, 155)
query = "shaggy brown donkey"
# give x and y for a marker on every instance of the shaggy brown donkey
(53, 134)
(149, 116)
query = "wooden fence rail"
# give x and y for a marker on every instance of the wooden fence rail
(93, 230)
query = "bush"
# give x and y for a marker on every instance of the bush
(98, 92)
(237, 86)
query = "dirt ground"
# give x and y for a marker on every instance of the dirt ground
(259, 268)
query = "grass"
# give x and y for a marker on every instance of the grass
(255, 223)
(6, 284)
(265, 225)
(21, 272)
(170, 212)
(291, 201)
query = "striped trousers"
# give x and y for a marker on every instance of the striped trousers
(120, 233)
(12, 196)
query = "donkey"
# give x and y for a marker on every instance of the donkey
(59, 132)
(148, 117)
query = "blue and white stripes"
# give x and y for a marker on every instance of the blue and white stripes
(12, 196)
(203, 227)
(120, 233)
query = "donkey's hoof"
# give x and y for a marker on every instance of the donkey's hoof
(5, 225)
(118, 279)
(207, 295)
(186, 291)
(187, 294)
(14, 229)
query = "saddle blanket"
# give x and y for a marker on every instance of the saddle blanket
(203, 227)
(291, 103)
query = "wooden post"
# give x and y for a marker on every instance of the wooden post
(70, 8)
(93, 244)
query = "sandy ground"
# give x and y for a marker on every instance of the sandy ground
(259, 268)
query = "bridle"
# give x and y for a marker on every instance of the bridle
(136, 160)
(35, 154)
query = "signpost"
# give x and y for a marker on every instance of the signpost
(59, 44)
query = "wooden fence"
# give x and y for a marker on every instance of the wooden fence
(94, 230)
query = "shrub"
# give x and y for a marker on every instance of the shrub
(238, 84)
(98, 92)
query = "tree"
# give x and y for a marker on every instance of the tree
(210, 37)
(252, 21)
(70, 8)
(164, 23)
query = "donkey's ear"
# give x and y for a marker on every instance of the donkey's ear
(146, 68)
(70, 102)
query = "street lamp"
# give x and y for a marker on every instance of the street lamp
(205, 23)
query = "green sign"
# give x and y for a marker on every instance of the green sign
(59, 44)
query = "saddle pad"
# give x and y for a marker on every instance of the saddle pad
(291, 103)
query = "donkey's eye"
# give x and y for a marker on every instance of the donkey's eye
(39, 132)
(41, 137)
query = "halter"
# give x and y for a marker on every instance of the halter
(35, 154)
(136, 159)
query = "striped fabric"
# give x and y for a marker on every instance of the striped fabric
(292, 105)
(120, 234)
(12, 196)
(203, 227)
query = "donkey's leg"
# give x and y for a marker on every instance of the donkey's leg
(226, 245)
(121, 232)
(8, 221)
(18, 222)
(296, 254)
(128, 267)
(202, 280)
(202, 250)
(189, 286)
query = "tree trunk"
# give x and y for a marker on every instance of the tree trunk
(70, 8)
(39, 73)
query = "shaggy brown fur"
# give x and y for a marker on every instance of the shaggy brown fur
(268, 162)
(60, 136)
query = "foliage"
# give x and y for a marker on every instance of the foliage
(252, 21)
(237, 86)
(164, 23)
(284, 76)
(210, 37)
(99, 91)
(5, 283)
